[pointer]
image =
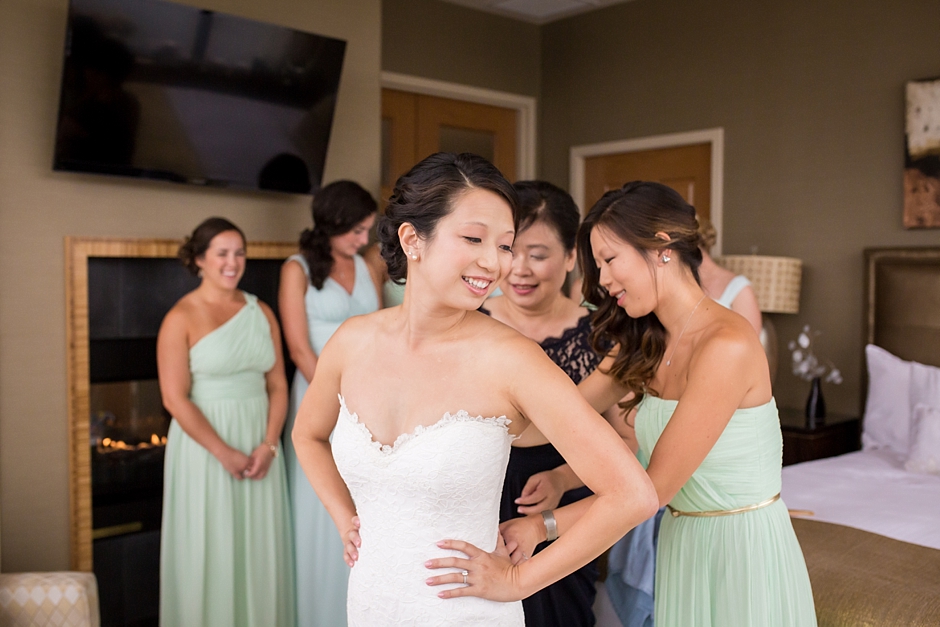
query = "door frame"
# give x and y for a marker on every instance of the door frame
(525, 106)
(713, 136)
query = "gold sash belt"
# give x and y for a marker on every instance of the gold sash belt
(726, 512)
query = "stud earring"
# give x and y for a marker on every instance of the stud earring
(414, 256)
(666, 258)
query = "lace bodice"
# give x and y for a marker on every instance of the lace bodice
(438, 482)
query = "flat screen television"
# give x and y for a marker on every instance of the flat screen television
(159, 90)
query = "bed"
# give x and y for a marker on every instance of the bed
(870, 523)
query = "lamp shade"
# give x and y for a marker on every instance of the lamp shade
(776, 280)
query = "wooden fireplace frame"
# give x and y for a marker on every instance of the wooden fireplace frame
(77, 252)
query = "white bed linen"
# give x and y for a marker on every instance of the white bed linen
(868, 490)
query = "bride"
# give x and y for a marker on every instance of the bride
(422, 401)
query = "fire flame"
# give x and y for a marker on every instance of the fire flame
(107, 445)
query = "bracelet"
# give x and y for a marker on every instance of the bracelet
(273, 447)
(551, 526)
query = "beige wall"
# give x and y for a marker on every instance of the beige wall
(38, 207)
(447, 42)
(811, 97)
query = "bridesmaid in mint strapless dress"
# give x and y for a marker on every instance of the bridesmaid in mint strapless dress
(225, 547)
(706, 420)
(753, 558)
(311, 313)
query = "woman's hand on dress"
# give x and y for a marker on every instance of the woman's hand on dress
(522, 535)
(351, 543)
(235, 462)
(259, 462)
(542, 491)
(490, 576)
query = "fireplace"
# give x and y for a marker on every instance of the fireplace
(127, 440)
(127, 423)
(127, 437)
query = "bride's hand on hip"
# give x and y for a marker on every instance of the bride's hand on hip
(351, 543)
(488, 575)
(522, 535)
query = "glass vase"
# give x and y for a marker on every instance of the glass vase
(815, 405)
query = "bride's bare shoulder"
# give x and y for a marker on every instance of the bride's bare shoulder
(358, 331)
(491, 328)
(506, 344)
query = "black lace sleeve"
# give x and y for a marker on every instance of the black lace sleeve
(572, 351)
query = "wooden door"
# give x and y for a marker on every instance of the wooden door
(415, 126)
(686, 169)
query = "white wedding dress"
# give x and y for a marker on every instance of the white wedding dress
(439, 482)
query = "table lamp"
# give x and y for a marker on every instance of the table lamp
(776, 282)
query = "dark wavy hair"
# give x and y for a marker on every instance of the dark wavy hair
(196, 245)
(540, 201)
(426, 194)
(336, 208)
(635, 213)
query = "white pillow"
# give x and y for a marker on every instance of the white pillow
(925, 440)
(888, 407)
(925, 386)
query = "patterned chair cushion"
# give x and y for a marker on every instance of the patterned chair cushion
(67, 599)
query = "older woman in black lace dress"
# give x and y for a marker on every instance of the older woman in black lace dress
(532, 302)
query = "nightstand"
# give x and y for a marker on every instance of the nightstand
(839, 435)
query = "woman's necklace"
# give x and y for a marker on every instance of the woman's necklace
(676, 345)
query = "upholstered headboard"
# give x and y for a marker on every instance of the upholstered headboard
(902, 299)
(902, 303)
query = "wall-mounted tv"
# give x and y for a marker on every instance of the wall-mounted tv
(159, 90)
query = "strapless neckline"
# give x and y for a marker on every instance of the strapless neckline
(673, 401)
(448, 418)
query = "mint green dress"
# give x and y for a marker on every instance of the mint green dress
(321, 574)
(741, 570)
(225, 553)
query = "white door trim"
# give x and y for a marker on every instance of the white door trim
(714, 136)
(524, 105)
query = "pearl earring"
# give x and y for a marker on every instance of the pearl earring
(414, 256)
(666, 258)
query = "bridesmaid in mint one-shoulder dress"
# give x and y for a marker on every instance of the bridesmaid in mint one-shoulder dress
(228, 538)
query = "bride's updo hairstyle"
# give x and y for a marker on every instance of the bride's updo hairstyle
(634, 214)
(197, 244)
(337, 208)
(427, 193)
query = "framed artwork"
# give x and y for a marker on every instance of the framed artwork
(922, 155)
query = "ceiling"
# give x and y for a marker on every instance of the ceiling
(536, 11)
